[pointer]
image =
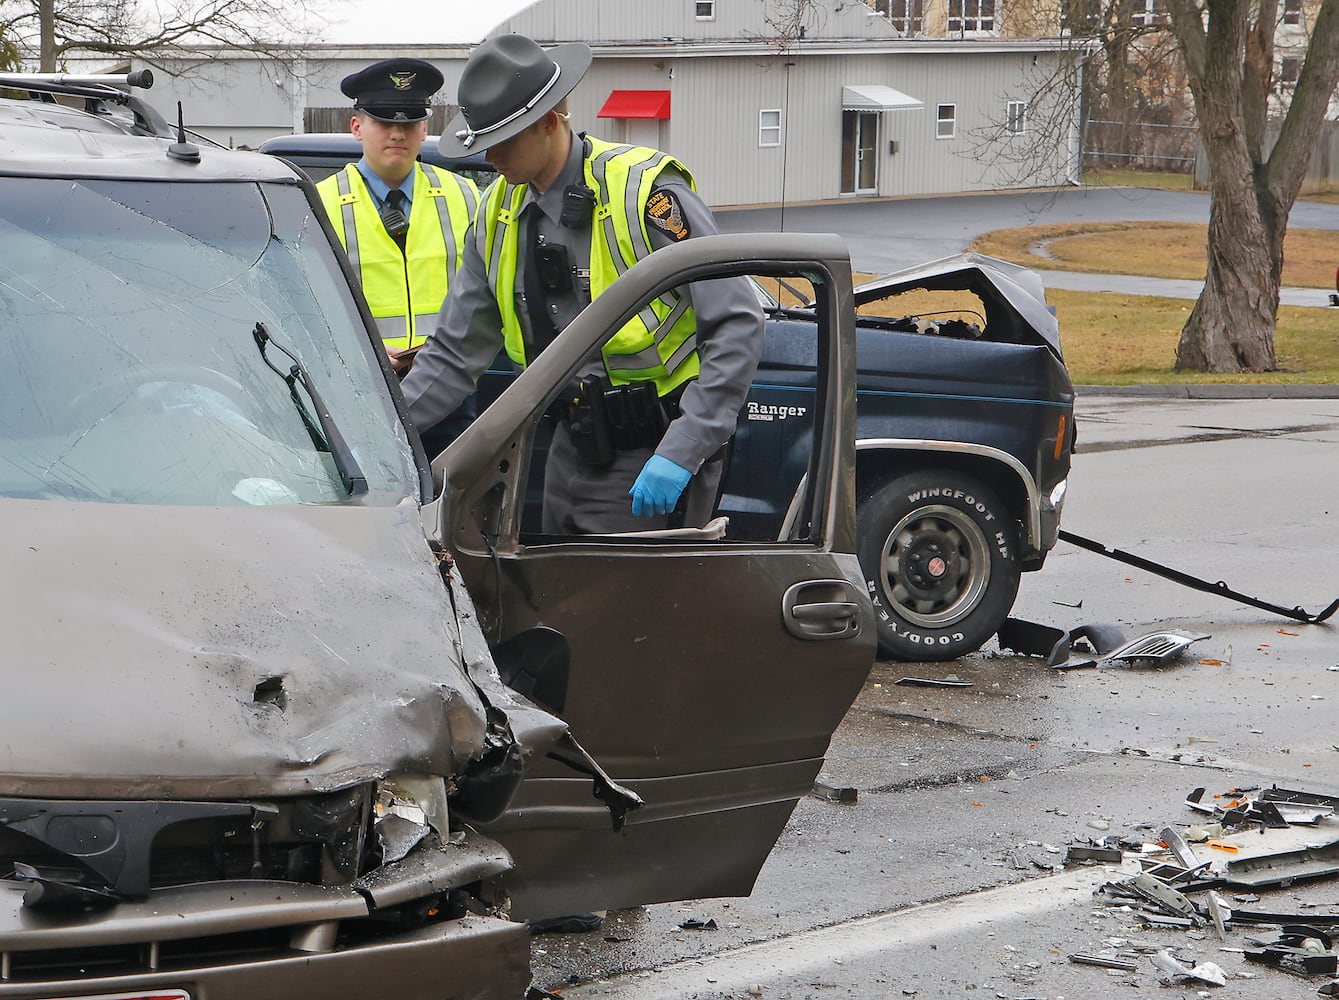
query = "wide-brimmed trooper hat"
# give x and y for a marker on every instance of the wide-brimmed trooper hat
(508, 84)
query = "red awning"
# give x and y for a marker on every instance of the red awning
(637, 104)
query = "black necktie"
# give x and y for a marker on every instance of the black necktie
(536, 301)
(393, 216)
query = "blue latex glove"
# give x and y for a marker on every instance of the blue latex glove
(658, 486)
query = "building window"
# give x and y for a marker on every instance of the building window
(769, 127)
(946, 121)
(705, 10)
(1289, 69)
(1015, 118)
(1148, 13)
(1292, 11)
(970, 15)
(908, 16)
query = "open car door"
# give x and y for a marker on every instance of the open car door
(705, 674)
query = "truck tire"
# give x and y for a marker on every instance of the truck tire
(940, 556)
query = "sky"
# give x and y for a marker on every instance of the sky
(374, 22)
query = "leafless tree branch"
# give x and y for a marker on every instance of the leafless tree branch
(152, 29)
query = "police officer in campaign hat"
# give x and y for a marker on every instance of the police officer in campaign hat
(402, 223)
(655, 408)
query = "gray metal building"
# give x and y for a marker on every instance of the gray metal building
(839, 106)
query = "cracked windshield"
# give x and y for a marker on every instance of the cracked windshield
(134, 372)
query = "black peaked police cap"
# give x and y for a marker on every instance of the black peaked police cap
(394, 90)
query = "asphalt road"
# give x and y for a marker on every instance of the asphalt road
(899, 233)
(941, 880)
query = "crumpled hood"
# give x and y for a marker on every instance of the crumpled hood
(208, 652)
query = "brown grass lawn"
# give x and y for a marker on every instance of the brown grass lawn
(1131, 340)
(1154, 249)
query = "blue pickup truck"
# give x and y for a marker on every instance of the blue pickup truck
(963, 435)
(965, 427)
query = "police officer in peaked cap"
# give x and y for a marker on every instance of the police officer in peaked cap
(402, 223)
(674, 377)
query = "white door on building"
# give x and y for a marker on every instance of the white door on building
(642, 132)
(860, 161)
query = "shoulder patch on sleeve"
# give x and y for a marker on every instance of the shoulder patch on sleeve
(665, 213)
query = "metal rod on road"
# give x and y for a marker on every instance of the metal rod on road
(1195, 583)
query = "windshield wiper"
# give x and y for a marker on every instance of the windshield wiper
(326, 436)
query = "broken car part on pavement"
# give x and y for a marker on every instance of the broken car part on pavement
(1245, 846)
(1107, 641)
(1296, 613)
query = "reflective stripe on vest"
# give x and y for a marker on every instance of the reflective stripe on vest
(659, 344)
(457, 222)
(404, 289)
(497, 241)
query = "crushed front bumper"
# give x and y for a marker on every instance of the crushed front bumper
(386, 934)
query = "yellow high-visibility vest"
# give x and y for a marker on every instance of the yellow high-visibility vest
(659, 344)
(405, 289)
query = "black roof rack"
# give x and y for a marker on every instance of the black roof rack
(97, 90)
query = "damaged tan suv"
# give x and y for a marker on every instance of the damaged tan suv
(259, 740)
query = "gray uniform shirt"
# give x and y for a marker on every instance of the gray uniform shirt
(469, 329)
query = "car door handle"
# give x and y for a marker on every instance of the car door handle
(822, 609)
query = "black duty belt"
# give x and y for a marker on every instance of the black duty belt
(603, 419)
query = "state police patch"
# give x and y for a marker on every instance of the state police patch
(665, 213)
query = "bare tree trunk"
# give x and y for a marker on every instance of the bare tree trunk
(1231, 327)
(1229, 62)
(46, 19)
(1257, 76)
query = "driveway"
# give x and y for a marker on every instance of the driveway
(889, 235)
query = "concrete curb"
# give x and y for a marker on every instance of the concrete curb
(1212, 391)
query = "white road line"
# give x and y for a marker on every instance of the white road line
(732, 972)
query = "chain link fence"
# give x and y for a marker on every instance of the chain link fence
(1139, 146)
(1109, 145)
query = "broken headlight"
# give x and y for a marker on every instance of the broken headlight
(406, 808)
